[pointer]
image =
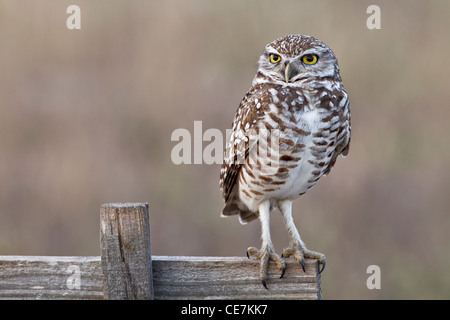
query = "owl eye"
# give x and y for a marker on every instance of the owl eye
(274, 58)
(310, 59)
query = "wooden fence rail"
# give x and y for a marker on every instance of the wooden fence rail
(127, 270)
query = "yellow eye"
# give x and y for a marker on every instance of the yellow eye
(274, 58)
(310, 59)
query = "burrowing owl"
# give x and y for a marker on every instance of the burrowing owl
(287, 132)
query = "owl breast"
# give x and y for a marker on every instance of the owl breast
(294, 146)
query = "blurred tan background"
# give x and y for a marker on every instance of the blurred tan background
(86, 117)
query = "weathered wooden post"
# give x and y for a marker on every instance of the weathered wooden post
(126, 253)
(127, 270)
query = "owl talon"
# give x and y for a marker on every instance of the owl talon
(323, 265)
(302, 262)
(252, 251)
(264, 283)
(265, 255)
(283, 271)
(299, 253)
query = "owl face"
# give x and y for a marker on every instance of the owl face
(294, 59)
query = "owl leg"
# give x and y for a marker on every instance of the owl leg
(267, 251)
(297, 248)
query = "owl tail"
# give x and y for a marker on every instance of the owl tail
(232, 208)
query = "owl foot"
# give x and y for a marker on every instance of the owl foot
(299, 252)
(266, 254)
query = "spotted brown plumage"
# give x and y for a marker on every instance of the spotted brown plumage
(287, 133)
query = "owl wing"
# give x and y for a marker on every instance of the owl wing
(344, 132)
(240, 142)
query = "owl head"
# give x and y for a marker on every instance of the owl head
(295, 59)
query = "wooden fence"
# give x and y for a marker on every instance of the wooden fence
(127, 270)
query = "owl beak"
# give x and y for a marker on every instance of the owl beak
(290, 72)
